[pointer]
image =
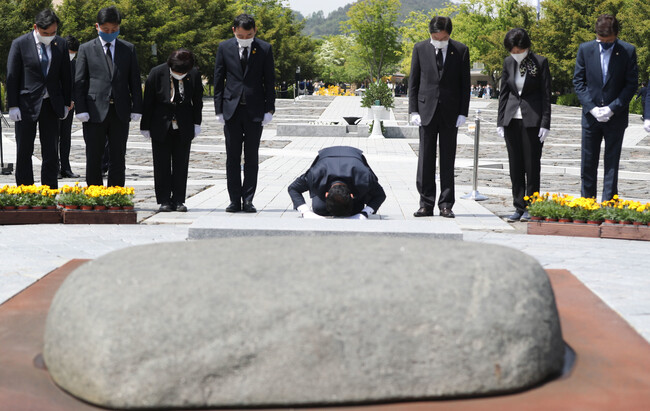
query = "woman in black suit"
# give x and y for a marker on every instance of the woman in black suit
(171, 117)
(524, 118)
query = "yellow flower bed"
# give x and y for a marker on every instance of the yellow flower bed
(580, 208)
(35, 196)
(332, 91)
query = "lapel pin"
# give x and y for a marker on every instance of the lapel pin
(254, 51)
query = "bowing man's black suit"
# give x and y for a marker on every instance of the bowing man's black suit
(522, 135)
(171, 147)
(26, 87)
(243, 97)
(616, 92)
(339, 163)
(109, 97)
(439, 98)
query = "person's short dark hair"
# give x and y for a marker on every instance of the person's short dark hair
(339, 200)
(73, 43)
(516, 38)
(245, 21)
(181, 61)
(109, 15)
(606, 25)
(45, 18)
(440, 23)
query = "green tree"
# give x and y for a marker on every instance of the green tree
(336, 61)
(373, 24)
(278, 25)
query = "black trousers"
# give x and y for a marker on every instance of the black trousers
(171, 157)
(524, 157)
(48, 130)
(591, 138)
(65, 137)
(240, 131)
(432, 134)
(95, 134)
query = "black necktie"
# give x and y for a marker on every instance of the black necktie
(109, 58)
(439, 59)
(244, 59)
(177, 93)
(44, 59)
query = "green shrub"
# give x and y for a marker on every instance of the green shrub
(568, 100)
(635, 106)
(378, 91)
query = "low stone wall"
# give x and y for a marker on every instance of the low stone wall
(340, 130)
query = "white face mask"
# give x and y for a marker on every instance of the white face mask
(519, 57)
(178, 76)
(72, 55)
(245, 42)
(43, 39)
(439, 44)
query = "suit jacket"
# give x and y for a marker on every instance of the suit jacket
(427, 87)
(646, 112)
(26, 83)
(94, 84)
(257, 83)
(339, 163)
(620, 84)
(535, 98)
(158, 109)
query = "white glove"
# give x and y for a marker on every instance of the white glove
(646, 125)
(357, 217)
(501, 132)
(267, 119)
(136, 116)
(306, 212)
(460, 120)
(595, 112)
(415, 119)
(197, 130)
(14, 114)
(605, 114)
(83, 117)
(543, 133)
(66, 111)
(146, 133)
(220, 119)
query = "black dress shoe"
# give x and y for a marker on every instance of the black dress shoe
(423, 212)
(166, 207)
(249, 207)
(233, 207)
(514, 217)
(180, 207)
(69, 174)
(447, 213)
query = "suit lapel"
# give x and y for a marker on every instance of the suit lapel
(101, 56)
(513, 73)
(613, 61)
(167, 85)
(237, 58)
(34, 51)
(56, 55)
(430, 58)
(595, 62)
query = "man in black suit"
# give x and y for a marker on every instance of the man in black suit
(244, 101)
(340, 183)
(605, 79)
(65, 126)
(439, 103)
(109, 99)
(38, 91)
(171, 117)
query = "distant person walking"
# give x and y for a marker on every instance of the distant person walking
(524, 116)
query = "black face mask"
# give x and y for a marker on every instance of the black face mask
(607, 46)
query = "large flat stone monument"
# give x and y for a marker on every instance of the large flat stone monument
(289, 321)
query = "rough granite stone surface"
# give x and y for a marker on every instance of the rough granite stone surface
(293, 321)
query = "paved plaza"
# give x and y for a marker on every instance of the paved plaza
(616, 270)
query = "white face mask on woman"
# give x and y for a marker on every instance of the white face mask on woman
(519, 57)
(178, 76)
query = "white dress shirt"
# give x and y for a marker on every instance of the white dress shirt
(605, 55)
(519, 82)
(48, 50)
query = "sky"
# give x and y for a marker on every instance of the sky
(307, 7)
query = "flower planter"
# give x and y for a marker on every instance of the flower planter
(100, 217)
(37, 207)
(625, 222)
(127, 207)
(564, 220)
(551, 220)
(99, 207)
(579, 221)
(9, 207)
(23, 207)
(14, 217)
(51, 207)
(70, 207)
(637, 223)
(536, 218)
(594, 222)
(626, 232)
(571, 230)
(115, 208)
(610, 221)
